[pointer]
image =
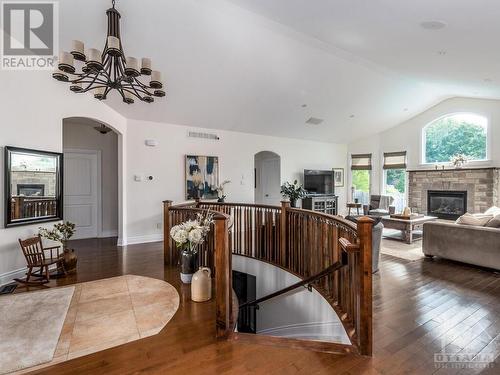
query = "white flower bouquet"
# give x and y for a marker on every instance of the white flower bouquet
(459, 160)
(187, 237)
(220, 190)
(191, 233)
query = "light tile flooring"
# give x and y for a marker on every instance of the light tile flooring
(111, 312)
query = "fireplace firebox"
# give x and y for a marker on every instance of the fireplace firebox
(446, 204)
(30, 190)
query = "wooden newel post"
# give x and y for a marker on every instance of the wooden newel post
(365, 227)
(197, 201)
(223, 278)
(167, 256)
(283, 235)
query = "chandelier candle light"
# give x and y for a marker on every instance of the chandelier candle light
(104, 71)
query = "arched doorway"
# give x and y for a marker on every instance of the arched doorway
(267, 178)
(91, 177)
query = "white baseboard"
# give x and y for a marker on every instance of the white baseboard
(133, 240)
(6, 278)
(109, 233)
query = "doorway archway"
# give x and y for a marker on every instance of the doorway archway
(93, 182)
(267, 178)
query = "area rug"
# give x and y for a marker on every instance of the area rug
(30, 325)
(111, 312)
(400, 249)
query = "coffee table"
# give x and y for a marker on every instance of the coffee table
(407, 226)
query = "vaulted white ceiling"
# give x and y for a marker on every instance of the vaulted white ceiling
(250, 65)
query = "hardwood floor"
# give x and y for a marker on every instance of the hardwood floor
(419, 308)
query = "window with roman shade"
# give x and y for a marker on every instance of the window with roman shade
(395, 160)
(361, 162)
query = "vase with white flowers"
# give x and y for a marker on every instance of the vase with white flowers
(188, 236)
(220, 191)
(459, 160)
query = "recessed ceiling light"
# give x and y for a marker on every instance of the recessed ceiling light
(433, 25)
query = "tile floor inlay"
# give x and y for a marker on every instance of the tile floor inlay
(111, 312)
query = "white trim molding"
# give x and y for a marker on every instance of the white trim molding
(108, 233)
(134, 240)
(8, 277)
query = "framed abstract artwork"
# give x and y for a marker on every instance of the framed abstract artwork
(338, 177)
(202, 176)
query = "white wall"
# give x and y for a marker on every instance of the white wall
(408, 136)
(32, 107)
(80, 134)
(298, 314)
(33, 118)
(236, 159)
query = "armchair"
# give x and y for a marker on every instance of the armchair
(380, 205)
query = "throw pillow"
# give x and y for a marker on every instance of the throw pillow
(476, 220)
(494, 223)
(493, 211)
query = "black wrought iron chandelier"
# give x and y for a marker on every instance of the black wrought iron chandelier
(109, 70)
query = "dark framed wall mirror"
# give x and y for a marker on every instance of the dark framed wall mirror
(33, 186)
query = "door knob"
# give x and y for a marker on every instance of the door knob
(267, 195)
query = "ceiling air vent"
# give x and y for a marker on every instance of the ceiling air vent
(211, 136)
(314, 121)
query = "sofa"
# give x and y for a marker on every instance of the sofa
(477, 245)
(377, 230)
(380, 205)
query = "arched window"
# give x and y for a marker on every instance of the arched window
(460, 133)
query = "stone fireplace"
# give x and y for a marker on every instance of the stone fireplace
(480, 189)
(446, 204)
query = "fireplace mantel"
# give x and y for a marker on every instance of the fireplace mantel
(481, 184)
(448, 169)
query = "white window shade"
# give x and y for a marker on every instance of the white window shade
(395, 160)
(361, 162)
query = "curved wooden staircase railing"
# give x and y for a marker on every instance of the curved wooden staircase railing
(302, 242)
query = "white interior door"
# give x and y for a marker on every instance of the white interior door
(82, 191)
(270, 181)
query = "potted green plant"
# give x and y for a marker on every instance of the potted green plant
(62, 232)
(293, 192)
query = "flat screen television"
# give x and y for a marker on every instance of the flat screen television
(319, 182)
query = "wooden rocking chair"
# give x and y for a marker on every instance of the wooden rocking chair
(37, 262)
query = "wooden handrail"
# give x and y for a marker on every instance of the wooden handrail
(302, 242)
(223, 279)
(308, 281)
(365, 339)
(347, 246)
(32, 206)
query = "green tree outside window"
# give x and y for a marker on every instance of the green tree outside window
(456, 134)
(361, 180)
(395, 180)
